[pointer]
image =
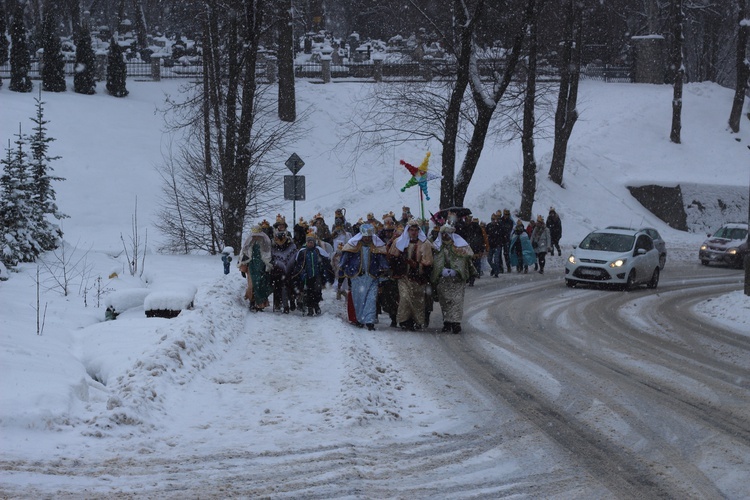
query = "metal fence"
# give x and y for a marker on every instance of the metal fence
(353, 71)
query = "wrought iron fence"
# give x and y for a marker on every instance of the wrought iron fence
(355, 71)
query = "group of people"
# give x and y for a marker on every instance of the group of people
(389, 266)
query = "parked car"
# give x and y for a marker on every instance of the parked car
(659, 242)
(728, 246)
(625, 257)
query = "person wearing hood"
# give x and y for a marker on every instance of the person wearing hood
(363, 261)
(283, 251)
(522, 254)
(255, 264)
(541, 242)
(312, 269)
(411, 262)
(452, 268)
(554, 224)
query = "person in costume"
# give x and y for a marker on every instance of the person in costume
(411, 263)
(341, 233)
(324, 233)
(300, 232)
(255, 264)
(312, 269)
(363, 261)
(283, 251)
(452, 268)
(522, 254)
(388, 292)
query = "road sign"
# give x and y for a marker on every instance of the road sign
(294, 163)
(294, 187)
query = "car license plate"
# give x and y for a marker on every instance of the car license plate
(589, 272)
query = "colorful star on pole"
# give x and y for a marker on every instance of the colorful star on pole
(419, 175)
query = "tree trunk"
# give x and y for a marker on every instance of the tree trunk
(287, 98)
(486, 106)
(566, 114)
(453, 114)
(528, 190)
(679, 71)
(742, 68)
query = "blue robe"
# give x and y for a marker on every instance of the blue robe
(529, 255)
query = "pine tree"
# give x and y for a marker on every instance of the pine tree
(53, 68)
(20, 61)
(3, 40)
(116, 70)
(84, 81)
(43, 193)
(16, 208)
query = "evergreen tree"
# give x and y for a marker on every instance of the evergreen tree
(43, 193)
(18, 242)
(53, 67)
(84, 81)
(20, 61)
(116, 70)
(3, 40)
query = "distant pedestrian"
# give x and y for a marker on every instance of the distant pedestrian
(554, 224)
(312, 270)
(541, 242)
(522, 254)
(255, 264)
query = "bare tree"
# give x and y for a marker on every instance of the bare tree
(567, 101)
(528, 189)
(678, 70)
(742, 66)
(287, 99)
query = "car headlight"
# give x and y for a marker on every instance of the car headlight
(618, 263)
(572, 259)
(704, 247)
(732, 251)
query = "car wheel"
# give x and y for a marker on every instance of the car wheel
(631, 281)
(662, 261)
(704, 262)
(654, 279)
(570, 283)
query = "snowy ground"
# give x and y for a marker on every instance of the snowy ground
(218, 377)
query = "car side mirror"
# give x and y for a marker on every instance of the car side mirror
(640, 251)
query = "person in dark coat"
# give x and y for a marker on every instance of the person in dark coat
(474, 235)
(522, 254)
(283, 253)
(495, 240)
(506, 231)
(300, 232)
(554, 224)
(312, 269)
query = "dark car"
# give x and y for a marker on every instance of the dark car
(727, 246)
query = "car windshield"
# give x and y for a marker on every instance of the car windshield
(608, 242)
(731, 233)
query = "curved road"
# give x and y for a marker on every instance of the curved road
(640, 393)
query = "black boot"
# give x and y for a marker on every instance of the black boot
(456, 327)
(370, 326)
(447, 327)
(310, 311)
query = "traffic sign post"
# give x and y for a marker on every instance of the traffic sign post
(294, 187)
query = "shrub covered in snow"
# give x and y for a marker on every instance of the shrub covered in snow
(168, 302)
